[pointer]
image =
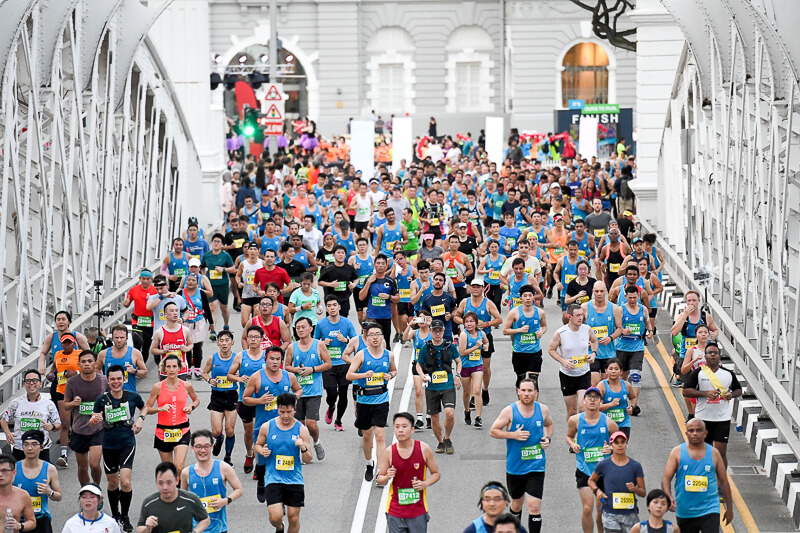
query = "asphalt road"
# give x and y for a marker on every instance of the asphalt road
(338, 500)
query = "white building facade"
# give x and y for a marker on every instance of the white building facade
(456, 61)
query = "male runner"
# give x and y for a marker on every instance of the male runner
(308, 358)
(129, 358)
(527, 427)
(435, 365)
(605, 319)
(39, 479)
(380, 291)
(700, 478)
(172, 338)
(207, 478)
(86, 439)
(636, 325)
(219, 264)
(224, 395)
(406, 464)
(441, 304)
(115, 411)
(372, 368)
(526, 324)
(339, 279)
(276, 331)
(335, 331)
(142, 318)
(171, 509)
(574, 340)
(588, 438)
(364, 265)
(15, 500)
(30, 412)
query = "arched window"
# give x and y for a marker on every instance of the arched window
(469, 70)
(391, 70)
(585, 74)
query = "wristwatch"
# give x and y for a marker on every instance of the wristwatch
(230, 500)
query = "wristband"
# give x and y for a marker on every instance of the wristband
(141, 417)
(230, 500)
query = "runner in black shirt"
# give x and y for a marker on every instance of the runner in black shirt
(293, 267)
(339, 279)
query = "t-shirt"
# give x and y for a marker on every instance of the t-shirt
(25, 415)
(295, 268)
(277, 275)
(238, 239)
(343, 275)
(597, 222)
(197, 249)
(118, 418)
(620, 500)
(378, 307)
(88, 392)
(298, 298)
(573, 288)
(173, 516)
(139, 296)
(717, 410)
(104, 524)
(438, 306)
(158, 313)
(211, 261)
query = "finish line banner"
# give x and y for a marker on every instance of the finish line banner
(613, 123)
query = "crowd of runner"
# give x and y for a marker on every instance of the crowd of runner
(330, 270)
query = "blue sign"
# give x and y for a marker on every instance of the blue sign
(576, 104)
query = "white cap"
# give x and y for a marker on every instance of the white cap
(270, 187)
(194, 262)
(476, 281)
(91, 487)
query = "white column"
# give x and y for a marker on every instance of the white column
(658, 50)
(181, 35)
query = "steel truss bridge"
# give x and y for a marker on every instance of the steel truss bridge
(95, 157)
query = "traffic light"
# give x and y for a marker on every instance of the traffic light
(250, 122)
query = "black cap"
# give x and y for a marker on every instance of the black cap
(437, 324)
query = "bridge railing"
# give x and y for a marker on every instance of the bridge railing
(11, 378)
(762, 382)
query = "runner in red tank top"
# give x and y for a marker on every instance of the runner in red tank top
(172, 338)
(405, 464)
(276, 332)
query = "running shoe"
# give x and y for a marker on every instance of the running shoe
(261, 493)
(337, 426)
(419, 424)
(320, 451)
(218, 441)
(440, 448)
(212, 336)
(369, 473)
(125, 523)
(248, 464)
(329, 415)
(467, 418)
(472, 403)
(228, 460)
(226, 327)
(198, 374)
(448, 446)
(636, 410)
(397, 338)
(428, 423)
(62, 461)
(478, 422)
(485, 395)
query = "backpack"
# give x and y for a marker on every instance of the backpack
(625, 191)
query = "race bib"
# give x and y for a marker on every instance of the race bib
(180, 272)
(434, 222)
(144, 321)
(305, 380)
(284, 462)
(440, 376)
(600, 331)
(207, 503)
(599, 233)
(528, 270)
(238, 243)
(249, 278)
(335, 352)
(162, 316)
(376, 380)
(569, 277)
(362, 280)
(559, 250)
(451, 272)
(527, 338)
(224, 383)
(341, 286)
(583, 299)
(118, 414)
(515, 302)
(390, 245)
(593, 455)
(362, 211)
(86, 408)
(377, 301)
(29, 423)
(494, 274)
(272, 404)
(173, 435)
(405, 294)
(511, 241)
(696, 484)
(329, 258)
(214, 274)
(62, 377)
(530, 453)
(36, 502)
(690, 341)
(623, 500)
(614, 267)
(475, 356)
(579, 361)
(634, 327)
(616, 415)
(438, 310)
(407, 496)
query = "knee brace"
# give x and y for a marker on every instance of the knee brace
(635, 377)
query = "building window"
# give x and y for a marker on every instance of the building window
(468, 85)
(390, 70)
(391, 89)
(585, 74)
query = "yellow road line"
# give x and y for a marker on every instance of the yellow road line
(677, 412)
